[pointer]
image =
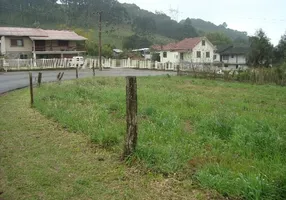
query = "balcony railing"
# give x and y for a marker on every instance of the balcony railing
(58, 48)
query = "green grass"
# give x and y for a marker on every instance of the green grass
(41, 160)
(227, 136)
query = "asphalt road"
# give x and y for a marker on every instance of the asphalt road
(15, 80)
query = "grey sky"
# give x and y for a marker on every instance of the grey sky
(243, 15)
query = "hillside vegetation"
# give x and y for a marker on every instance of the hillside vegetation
(121, 20)
(227, 136)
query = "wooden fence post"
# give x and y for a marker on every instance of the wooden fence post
(31, 88)
(58, 76)
(61, 76)
(39, 78)
(131, 117)
(76, 72)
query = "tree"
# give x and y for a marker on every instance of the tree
(261, 50)
(91, 48)
(107, 50)
(240, 41)
(280, 50)
(224, 24)
(187, 30)
(136, 42)
(143, 26)
(218, 38)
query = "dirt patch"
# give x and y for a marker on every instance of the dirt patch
(188, 127)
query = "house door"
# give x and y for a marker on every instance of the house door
(40, 45)
(181, 56)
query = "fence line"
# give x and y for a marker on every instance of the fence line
(89, 63)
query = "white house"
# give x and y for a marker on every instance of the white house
(233, 57)
(39, 43)
(195, 50)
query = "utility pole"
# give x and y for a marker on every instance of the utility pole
(99, 40)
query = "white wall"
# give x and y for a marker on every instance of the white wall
(217, 57)
(203, 49)
(26, 48)
(191, 56)
(235, 59)
(3, 45)
(171, 57)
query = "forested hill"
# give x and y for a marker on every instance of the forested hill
(165, 25)
(133, 21)
(206, 26)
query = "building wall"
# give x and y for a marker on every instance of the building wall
(12, 52)
(234, 59)
(203, 49)
(18, 54)
(3, 45)
(191, 55)
(217, 57)
(26, 48)
(171, 57)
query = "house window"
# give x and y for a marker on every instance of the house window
(63, 43)
(203, 43)
(181, 56)
(165, 54)
(17, 43)
(214, 57)
(23, 56)
(225, 57)
(208, 54)
(198, 54)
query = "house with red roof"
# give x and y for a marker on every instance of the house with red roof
(39, 43)
(195, 50)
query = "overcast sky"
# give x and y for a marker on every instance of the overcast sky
(243, 15)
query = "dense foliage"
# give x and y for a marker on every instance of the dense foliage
(261, 50)
(136, 42)
(218, 38)
(280, 50)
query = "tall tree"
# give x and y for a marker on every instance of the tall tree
(187, 30)
(218, 38)
(280, 50)
(261, 50)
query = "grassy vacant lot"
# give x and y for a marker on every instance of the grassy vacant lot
(228, 136)
(41, 160)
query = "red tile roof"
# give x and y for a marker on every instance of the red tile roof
(186, 44)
